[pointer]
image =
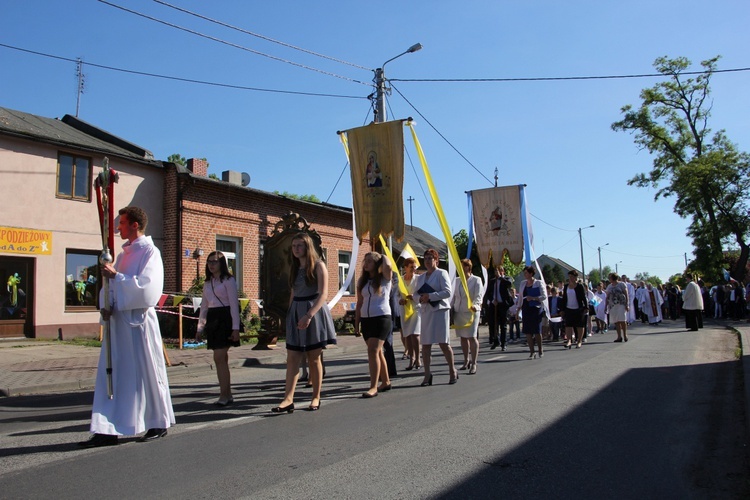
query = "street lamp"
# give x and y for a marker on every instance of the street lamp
(580, 239)
(380, 115)
(599, 249)
(380, 89)
(616, 270)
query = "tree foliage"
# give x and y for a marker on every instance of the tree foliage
(461, 240)
(705, 174)
(302, 197)
(177, 159)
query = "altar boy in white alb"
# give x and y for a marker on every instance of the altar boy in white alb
(141, 399)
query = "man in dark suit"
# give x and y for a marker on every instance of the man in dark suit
(502, 301)
(489, 307)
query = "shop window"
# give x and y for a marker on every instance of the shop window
(82, 280)
(74, 177)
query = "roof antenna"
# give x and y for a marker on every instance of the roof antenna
(81, 78)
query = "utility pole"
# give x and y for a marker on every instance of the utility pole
(599, 249)
(411, 221)
(380, 113)
(495, 176)
(580, 239)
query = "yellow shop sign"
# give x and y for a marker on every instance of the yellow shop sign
(28, 241)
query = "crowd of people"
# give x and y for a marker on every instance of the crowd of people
(425, 306)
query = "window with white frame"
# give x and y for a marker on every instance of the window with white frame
(232, 249)
(345, 259)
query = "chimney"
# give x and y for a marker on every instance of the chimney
(198, 166)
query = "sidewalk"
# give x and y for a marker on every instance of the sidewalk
(29, 366)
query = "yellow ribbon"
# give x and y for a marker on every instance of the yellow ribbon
(408, 306)
(443, 223)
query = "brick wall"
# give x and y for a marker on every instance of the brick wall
(209, 208)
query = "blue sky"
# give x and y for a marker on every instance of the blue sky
(553, 136)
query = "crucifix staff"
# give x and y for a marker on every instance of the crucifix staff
(104, 185)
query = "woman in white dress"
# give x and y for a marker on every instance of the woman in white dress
(601, 309)
(433, 293)
(466, 316)
(411, 327)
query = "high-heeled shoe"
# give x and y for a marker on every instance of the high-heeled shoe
(427, 381)
(532, 355)
(384, 388)
(473, 369)
(453, 380)
(281, 409)
(313, 407)
(224, 402)
(464, 366)
(409, 368)
(567, 346)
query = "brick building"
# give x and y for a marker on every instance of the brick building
(203, 214)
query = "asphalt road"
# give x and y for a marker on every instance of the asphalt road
(661, 416)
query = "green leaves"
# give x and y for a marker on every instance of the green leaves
(708, 178)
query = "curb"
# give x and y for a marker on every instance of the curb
(744, 337)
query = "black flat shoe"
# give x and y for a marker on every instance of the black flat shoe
(282, 409)
(153, 434)
(98, 440)
(427, 381)
(453, 380)
(618, 340)
(409, 368)
(384, 388)
(367, 395)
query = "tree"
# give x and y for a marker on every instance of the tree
(177, 159)
(302, 197)
(644, 276)
(595, 278)
(708, 177)
(461, 240)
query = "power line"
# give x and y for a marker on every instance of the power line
(557, 78)
(413, 169)
(209, 37)
(550, 225)
(345, 164)
(262, 37)
(180, 79)
(441, 135)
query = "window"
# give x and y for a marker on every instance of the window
(231, 249)
(81, 280)
(74, 177)
(344, 263)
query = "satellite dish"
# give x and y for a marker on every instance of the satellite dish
(245, 178)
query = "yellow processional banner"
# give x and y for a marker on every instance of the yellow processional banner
(376, 156)
(497, 224)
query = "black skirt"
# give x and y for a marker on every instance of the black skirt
(218, 329)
